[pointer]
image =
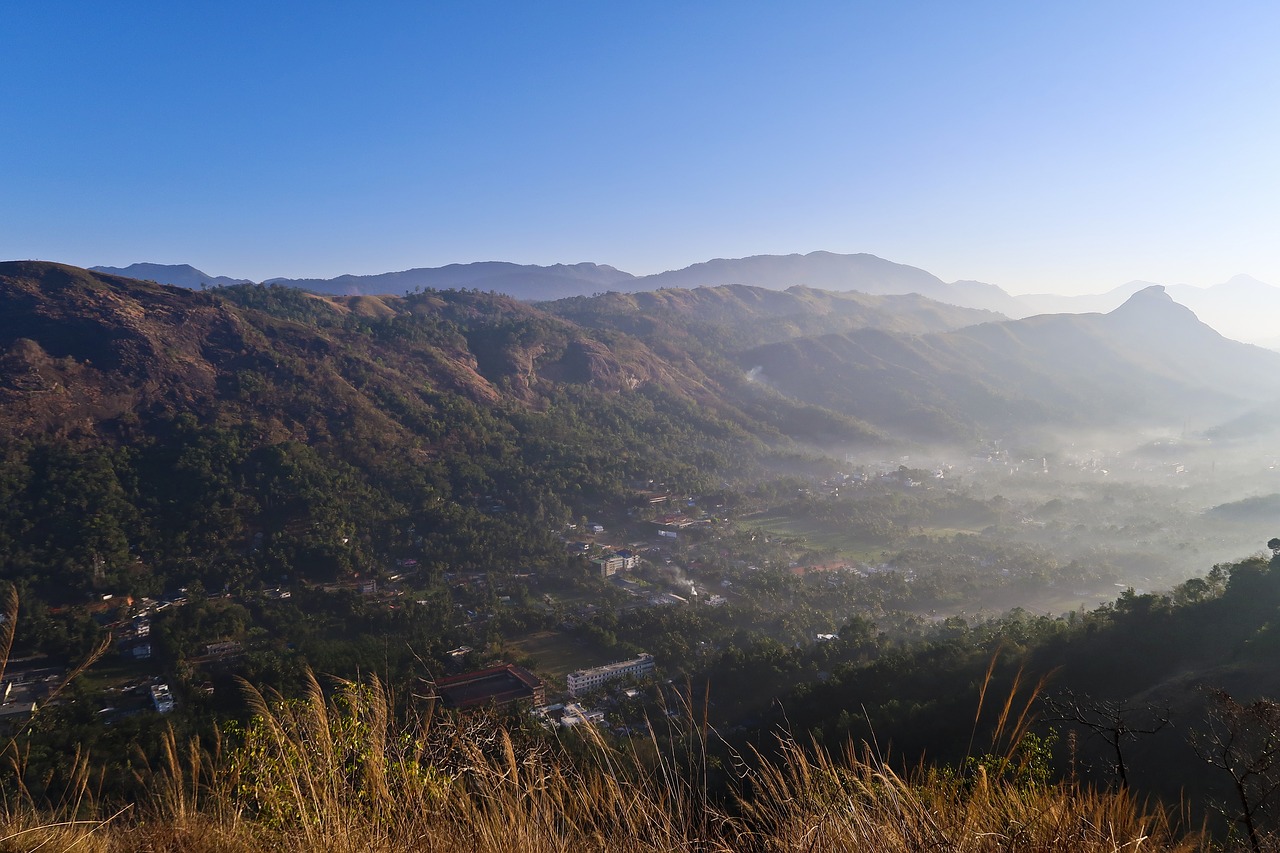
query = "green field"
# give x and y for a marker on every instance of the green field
(817, 534)
(833, 537)
(555, 653)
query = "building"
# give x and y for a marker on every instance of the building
(586, 680)
(161, 698)
(221, 649)
(610, 565)
(498, 685)
(620, 561)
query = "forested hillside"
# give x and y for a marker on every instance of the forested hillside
(225, 434)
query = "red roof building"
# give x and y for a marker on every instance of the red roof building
(498, 685)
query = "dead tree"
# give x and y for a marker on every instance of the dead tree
(1244, 740)
(1115, 723)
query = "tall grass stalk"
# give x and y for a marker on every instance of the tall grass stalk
(345, 770)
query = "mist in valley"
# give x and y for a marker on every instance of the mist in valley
(1052, 522)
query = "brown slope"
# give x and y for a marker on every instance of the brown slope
(81, 351)
(78, 347)
(746, 315)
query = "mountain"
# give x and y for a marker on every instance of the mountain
(523, 281)
(827, 364)
(179, 275)
(829, 271)
(1241, 308)
(1149, 361)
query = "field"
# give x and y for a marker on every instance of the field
(556, 654)
(827, 536)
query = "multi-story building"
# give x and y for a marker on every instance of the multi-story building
(619, 561)
(610, 565)
(586, 680)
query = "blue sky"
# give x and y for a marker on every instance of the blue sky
(1038, 146)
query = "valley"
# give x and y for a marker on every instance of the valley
(777, 495)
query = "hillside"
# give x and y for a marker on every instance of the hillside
(395, 413)
(523, 281)
(740, 313)
(1145, 658)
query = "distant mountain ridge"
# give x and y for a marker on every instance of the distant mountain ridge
(757, 315)
(862, 273)
(179, 275)
(835, 272)
(1242, 308)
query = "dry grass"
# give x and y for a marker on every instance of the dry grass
(339, 773)
(342, 771)
(807, 800)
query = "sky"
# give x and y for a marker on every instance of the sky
(1042, 147)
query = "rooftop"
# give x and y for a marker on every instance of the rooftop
(498, 684)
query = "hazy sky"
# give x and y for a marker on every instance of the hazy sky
(1038, 146)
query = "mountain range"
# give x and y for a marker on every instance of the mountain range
(901, 365)
(820, 270)
(1240, 308)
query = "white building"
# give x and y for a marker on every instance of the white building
(162, 698)
(586, 680)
